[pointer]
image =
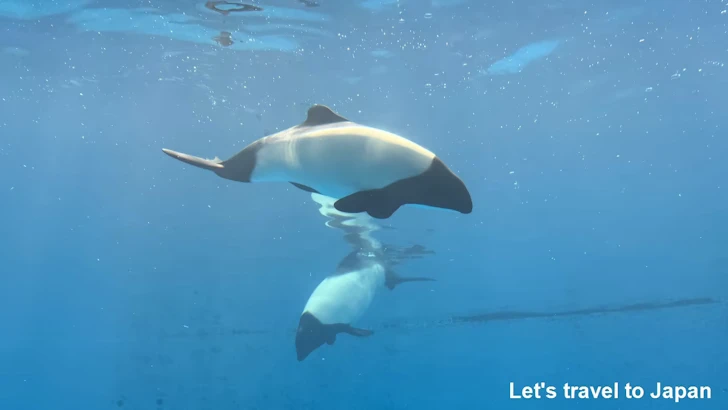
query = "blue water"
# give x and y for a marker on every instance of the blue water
(591, 135)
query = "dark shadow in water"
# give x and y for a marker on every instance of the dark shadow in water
(636, 307)
(224, 39)
(507, 315)
(235, 7)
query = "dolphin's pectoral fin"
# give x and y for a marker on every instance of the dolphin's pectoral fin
(375, 202)
(392, 279)
(356, 331)
(305, 188)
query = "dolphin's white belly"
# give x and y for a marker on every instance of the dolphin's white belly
(341, 160)
(344, 298)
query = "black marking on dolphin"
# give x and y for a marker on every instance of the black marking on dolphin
(434, 187)
(311, 334)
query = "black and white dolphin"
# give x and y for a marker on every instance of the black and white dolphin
(366, 169)
(342, 298)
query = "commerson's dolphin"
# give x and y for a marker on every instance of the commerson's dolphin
(366, 169)
(343, 297)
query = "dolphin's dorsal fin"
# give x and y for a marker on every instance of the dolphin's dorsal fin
(322, 115)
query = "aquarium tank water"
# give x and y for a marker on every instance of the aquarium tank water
(363, 204)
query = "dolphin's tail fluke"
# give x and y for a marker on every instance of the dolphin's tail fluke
(209, 164)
